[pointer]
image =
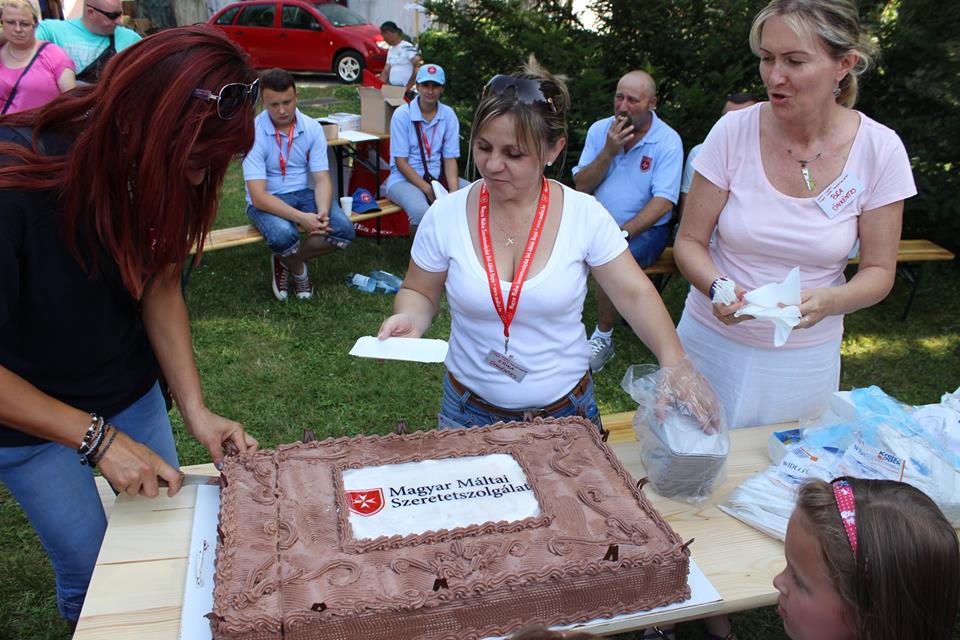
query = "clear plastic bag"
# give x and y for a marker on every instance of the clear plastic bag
(683, 440)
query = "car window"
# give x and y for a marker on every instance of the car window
(257, 15)
(294, 17)
(340, 16)
(227, 16)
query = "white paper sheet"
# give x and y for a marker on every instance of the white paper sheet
(357, 136)
(198, 593)
(413, 349)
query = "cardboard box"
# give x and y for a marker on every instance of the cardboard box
(377, 107)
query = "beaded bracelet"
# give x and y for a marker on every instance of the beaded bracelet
(98, 455)
(96, 424)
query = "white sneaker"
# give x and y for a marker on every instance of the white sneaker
(601, 350)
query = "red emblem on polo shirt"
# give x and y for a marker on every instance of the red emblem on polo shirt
(365, 502)
(646, 163)
(431, 69)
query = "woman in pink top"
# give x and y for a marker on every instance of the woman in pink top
(32, 72)
(794, 181)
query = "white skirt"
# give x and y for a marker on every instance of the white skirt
(761, 386)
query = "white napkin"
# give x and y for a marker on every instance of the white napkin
(414, 349)
(764, 304)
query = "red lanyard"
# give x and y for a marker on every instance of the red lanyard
(283, 163)
(506, 312)
(428, 143)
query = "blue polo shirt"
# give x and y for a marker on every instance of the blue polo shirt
(308, 154)
(442, 135)
(651, 168)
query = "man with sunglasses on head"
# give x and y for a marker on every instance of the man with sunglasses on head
(290, 151)
(92, 39)
(631, 162)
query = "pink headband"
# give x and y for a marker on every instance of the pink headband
(846, 505)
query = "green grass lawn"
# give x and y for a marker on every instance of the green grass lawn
(280, 368)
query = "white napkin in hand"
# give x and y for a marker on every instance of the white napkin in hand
(764, 303)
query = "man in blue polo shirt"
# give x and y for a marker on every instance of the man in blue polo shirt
(424, 146)
(631, 162)
(289, 151)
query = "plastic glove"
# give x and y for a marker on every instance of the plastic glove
(683, 387)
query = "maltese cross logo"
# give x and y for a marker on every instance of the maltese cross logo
(365, 502)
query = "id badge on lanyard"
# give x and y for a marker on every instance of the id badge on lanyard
(507, 310)
(290, 134)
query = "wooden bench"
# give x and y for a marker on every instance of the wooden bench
(911, 256)
(248, 234)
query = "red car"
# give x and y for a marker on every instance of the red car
(304, 35)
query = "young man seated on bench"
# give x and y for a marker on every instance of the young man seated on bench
(288, 150)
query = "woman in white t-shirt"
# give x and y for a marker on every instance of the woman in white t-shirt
(794, 181)
(520, 346)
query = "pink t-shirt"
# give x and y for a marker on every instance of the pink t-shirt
(39, 86)
(762, 234)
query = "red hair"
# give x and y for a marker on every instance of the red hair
(123, 183)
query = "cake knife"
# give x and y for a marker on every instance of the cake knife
(192, 478)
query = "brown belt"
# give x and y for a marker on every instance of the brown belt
(578, 390)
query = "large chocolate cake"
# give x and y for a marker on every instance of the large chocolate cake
(454, 534)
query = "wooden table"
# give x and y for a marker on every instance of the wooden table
(137, 587)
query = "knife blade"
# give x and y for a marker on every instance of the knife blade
(193, 479)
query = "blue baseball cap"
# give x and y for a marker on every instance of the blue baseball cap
(431, 73)
(363, 201)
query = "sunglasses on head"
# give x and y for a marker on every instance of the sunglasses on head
(525, 90)
(112, 15)
(232, 98)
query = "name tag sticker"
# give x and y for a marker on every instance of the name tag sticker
(835, 198)
(505, 365)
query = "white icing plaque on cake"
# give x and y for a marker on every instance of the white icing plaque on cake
(415, 497)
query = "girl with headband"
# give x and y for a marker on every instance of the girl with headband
(868, 560)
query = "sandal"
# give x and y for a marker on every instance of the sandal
(713, 636)
(666, 632)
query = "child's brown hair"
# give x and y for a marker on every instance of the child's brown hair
(904, 579)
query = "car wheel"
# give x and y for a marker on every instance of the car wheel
(348, 67)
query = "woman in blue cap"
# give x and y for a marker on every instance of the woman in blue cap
(424, 146)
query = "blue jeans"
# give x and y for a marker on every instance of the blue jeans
(411, 199)
(59, 495)
(282, 235)
(647, 247)
(457, 411)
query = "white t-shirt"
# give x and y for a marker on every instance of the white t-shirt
(547, 335)
(400, 58)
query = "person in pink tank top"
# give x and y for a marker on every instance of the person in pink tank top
(32, 72)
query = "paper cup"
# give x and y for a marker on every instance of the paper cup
(346, 203)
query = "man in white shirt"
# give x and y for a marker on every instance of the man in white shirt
(403, 59)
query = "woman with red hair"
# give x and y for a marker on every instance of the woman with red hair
(103, 192)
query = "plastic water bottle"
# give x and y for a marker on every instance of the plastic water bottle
(386, 281)
(361, 282)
